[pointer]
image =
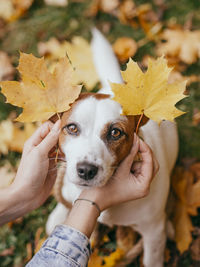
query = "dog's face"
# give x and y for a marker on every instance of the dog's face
(95, 138)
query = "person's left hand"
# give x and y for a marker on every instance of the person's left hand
(37, 170)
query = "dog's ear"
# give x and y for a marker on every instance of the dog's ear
(55, 117)
(143, 121)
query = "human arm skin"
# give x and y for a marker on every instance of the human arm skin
(35, 176)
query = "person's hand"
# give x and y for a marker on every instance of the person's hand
(130, 181)
(37, 170)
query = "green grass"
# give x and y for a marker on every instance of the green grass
(43, 22)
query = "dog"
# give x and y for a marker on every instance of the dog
(95, 138)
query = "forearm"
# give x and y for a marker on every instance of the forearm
(83, 217)
(12, 205)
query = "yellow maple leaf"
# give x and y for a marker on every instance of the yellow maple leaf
(80, 54)
(149, 93)
(41, 94)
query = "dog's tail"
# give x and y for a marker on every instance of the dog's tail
(105, 61)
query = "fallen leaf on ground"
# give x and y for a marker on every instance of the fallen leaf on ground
(11, 10)
(128, 11)
(56, 2)
(124, 48)
(7, 252)
(196, 117)
(6, 68)
(113, 258)
(149, 93)
(95, 260)
(183, 227)
(41, 94)
(80, 54)
(125, 238)
(187, 189)
(7, 175)
(109, 6)
(180, 43)
(6, 134)
(195, 249)
(21, 135)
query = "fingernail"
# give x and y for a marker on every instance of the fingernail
(56, 126)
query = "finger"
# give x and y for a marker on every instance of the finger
(47, 187)
(51, 139)
(155, 166)
(129, 159)
(38, 135)
(145, 151)
(147, 161)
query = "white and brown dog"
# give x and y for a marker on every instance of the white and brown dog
(95, 138)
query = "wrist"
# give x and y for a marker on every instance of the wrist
(88, 214)
(100, 195)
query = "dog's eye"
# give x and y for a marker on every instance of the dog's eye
(71, 129)
(115, 133)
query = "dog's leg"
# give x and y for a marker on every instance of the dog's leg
(154, 239)
(58, 216)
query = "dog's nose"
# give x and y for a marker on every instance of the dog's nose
(86, 170)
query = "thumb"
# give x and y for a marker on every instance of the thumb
(51, 139)
(128, 161)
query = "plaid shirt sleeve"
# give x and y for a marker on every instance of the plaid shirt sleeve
(65, 247)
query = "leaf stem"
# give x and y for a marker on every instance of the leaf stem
(138, 124)
(58, 115)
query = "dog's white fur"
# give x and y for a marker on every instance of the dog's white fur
(146, 215)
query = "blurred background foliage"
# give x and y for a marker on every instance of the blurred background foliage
(151, 28)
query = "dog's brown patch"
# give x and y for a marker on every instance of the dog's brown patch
(122, 146)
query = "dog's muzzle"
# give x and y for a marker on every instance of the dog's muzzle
(86, 170)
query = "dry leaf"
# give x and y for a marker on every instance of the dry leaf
(196, 117)
(6, 9)
(95, 260)
(195, 249)
(11, 10)
(187, 188)
(183, 44)
(124, 48)
(183, 227)
(21, 135)
(193, 190)
(6, 134)
(149, 93)
(56, 2)
(125, 238)
(7, 175)
(80, 54)
(113, 258)
(6, 68)
(7, 252)
(29, 252)
(41, 93)
(108, 6)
